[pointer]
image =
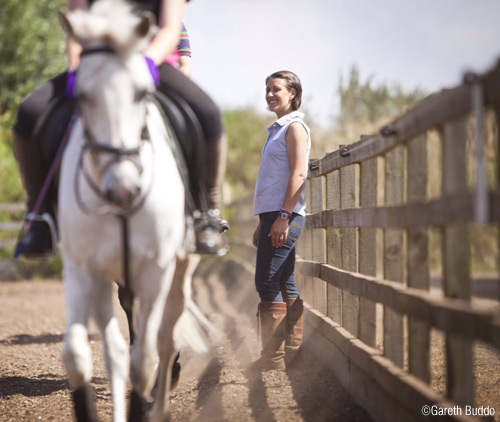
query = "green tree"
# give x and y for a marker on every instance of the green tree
(32, 51)
(247, 133)
(365, 107)
(32, 48)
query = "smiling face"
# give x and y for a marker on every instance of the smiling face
(279, 97)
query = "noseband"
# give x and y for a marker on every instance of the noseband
(117, 154)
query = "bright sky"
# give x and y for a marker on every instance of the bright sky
(424, 43)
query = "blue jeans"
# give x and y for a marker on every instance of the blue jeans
(275, 268)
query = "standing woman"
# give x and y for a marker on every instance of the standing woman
(279, 203)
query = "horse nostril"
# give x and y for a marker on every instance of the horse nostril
(130, 196)
(136, 192)
(109, 195)
(122, 185)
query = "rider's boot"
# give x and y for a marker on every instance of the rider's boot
(37, 242)
(209, 224)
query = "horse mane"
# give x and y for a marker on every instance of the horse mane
(114, 22)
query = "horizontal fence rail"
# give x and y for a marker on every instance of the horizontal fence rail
(400, 227)
(10, 223)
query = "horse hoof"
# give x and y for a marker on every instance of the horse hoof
(176, 374)
(138, 408)
(83, 399)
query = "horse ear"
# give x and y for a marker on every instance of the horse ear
(148, 20)
(65, 23)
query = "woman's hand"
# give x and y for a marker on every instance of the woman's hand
(255, 239)
(279, 232)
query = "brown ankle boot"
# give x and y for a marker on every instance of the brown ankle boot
(294, 329)
(272, 327)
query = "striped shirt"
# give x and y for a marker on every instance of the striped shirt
(183, 49)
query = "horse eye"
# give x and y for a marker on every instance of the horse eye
(140, 94)
(82, 97)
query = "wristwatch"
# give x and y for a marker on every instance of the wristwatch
(284, 214)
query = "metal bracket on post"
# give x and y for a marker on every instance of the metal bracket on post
(481, 199)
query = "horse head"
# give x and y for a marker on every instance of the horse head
(112, 87)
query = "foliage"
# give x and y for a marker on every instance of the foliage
(10, 188)
(32, 49)
(246, 132)
(364, 108)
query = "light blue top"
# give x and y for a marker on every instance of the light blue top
(274, 172)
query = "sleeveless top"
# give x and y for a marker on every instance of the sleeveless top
(152, 6)
(274, 171)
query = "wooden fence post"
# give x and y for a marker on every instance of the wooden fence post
(394, 254)
(456, 266)
(305, 249)
(368, 249)
(333, 251)
(497, 121)
(349, 260)
(418, 258)
(318, 243)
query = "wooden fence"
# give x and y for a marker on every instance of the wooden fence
(398, 226)
(10, 223)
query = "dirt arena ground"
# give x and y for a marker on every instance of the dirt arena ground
(213, 387)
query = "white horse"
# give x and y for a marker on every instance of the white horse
(122, 216)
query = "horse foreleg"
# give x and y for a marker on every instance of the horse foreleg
(116, 351)
(76, 352)
(152, 294)
(174, 307)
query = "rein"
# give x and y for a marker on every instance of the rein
(92, 145)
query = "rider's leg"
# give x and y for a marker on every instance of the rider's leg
(216, 169)
(37, 242)
(208, 236)
(208, 226)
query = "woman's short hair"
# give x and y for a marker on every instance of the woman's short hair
(292, 83)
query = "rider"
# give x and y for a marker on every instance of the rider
(208, 223)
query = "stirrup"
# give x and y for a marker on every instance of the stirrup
(208, 233)
(224, 225)
(45, 218)
(215, 216)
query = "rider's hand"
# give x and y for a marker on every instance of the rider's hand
(71, 84)
(153, 69)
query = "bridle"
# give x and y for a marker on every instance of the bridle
(99, 148)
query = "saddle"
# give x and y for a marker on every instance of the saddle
(186, 141)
